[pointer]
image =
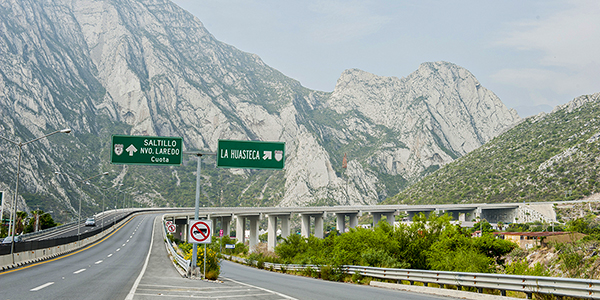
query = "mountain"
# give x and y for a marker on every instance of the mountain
(548, 157)
(147, 67)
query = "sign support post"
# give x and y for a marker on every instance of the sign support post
(2, 210)
(197, 210)
(197, 203)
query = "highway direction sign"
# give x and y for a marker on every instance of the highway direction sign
(200, 231)
(146, 150)
(250, 154)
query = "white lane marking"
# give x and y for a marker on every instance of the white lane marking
(131, 236)
(78, 271)
(119, 249)
(263, 289)
(109, 255)
(98, 262)
(123, 245)
(137, 281)
(42, 286)
(127, 241)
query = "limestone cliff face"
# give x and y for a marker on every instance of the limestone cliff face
(438, 113)
(147, 67)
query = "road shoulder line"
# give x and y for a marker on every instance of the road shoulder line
(137, 281)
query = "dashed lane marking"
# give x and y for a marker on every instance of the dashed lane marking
(42, 286)
(98, 262)
(66, 255)
(78, 271)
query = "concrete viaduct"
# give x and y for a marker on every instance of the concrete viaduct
(248, 217)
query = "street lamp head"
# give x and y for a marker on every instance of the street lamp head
(57, 173)
(66, 130)
(105, 173)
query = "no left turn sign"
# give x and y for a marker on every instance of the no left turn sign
(200, 231)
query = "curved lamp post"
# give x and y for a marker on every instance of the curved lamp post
(11, 224)
(84, 181)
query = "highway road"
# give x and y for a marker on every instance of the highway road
(299, 287)
(104, 270)
(120, 266)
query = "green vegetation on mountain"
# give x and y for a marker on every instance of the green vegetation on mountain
(545, 158)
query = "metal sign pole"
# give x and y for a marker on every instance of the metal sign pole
(2, 210)
(204, 262)
(197, 208)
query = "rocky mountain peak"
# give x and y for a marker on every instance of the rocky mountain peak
(147, 67)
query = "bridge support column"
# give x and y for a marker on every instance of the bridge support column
(319, 226)
(285, 226)
(272, 229)
(353, 220)
(305, 226)
(376, 218)
(240, 230)
(390, 218)
(340, 223)
(226, 225)
(272, 233)
(253, 239)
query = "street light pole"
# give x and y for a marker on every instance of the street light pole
(12, 221)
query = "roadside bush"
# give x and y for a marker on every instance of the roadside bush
(212, 275)
(356, 277)
(213, 263)
(332, 273)
(310, 272)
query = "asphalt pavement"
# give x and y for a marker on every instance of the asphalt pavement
(132, 263)
(104, 270)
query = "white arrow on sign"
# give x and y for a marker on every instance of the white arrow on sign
(131, 149)
(267, 155)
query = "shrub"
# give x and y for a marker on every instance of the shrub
(310, 272)
(212, 260)
(356, 277)
(212, 275)
(331, 273)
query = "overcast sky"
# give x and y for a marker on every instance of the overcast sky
(530, 53)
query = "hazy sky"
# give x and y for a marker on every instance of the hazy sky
(535, 52)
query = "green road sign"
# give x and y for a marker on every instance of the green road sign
(250, 154)
(146, 150)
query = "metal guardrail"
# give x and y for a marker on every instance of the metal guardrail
(183, 263)
(571, 287)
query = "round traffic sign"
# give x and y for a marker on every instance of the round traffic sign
(200, 231)
(171, 228)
